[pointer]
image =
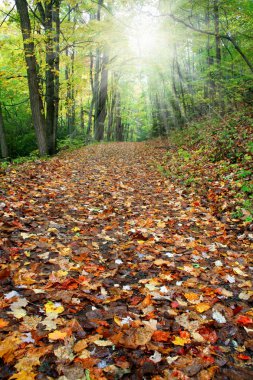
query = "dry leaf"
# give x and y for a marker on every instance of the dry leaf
(203, 306)
(57, 335)
(17, 308)
(103, 343)
(23, 375)
(135, 337)
(9, 345)
(3, 323)
(53, 308)
(192, 297)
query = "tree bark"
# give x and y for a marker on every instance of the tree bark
(118, 120)
(111, 115)
(56, 17)
(4, 148)
(50, 77)
(38, 115)
(101, 110)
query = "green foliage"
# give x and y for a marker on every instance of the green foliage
(244, 173)
(223, 181)
(71, 144)
(184, 154)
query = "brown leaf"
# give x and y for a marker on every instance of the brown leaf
(135, 337)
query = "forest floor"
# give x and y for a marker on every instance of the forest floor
(111, 271)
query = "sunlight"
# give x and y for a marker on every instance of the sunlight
(144, 39)
(143, 35)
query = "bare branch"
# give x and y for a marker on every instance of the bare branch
(7, 15)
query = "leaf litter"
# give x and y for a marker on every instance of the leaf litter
(109, 271)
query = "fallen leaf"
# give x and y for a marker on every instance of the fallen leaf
(160, 336)
(240, 272)
(192, 297)
(9, 345)
(53, 307)
(156, 357)
(135, 337)
(103, 343)
(183, 339)
(57, 335)
(202, 307)
(17, 308)
(3, 323)
(244, 320)
(23, 375)
(218, 317)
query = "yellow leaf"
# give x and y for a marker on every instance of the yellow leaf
(178, 341)
(117, 320)
(65, 251)
(23, 375)
(61, 273)
(3, 323)
(250, 312)
(203, 306)
(75, 229)
(161, 224)
(191, 296)
(32, 358)
(57, 335)
(9, 345)
(239, 271)
(53, 307)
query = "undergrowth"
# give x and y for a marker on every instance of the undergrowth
(213, 157)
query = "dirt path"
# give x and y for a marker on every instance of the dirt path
(110, 272)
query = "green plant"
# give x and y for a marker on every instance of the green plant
(247, 188)
(184, 154)
(238, 214)
(244, 173)
(190, 180)
(70, 144)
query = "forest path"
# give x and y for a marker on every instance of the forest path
(109, 271)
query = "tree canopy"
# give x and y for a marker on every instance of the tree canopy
(118, 70)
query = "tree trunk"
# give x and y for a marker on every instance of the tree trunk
(101, 111)
(38, 117)
(218, 54)
(118, 120)
(111, 115)
(57, 69)
(90, 120)
(4, 149)
(82, 117)
(50, 77)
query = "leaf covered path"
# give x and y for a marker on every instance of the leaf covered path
(108, 271)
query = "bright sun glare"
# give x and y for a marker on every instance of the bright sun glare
(143, 36)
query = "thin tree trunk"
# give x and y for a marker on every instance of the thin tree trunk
(50, 77)
(101, 110)
(38, 117)
(82, 117)
(111, 115)
(118, 120)
(73, 101)
(57, 69)
(4, 148)
(90, 119)
(218, 54)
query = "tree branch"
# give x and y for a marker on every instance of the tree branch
(223, 36)
(7, 15)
